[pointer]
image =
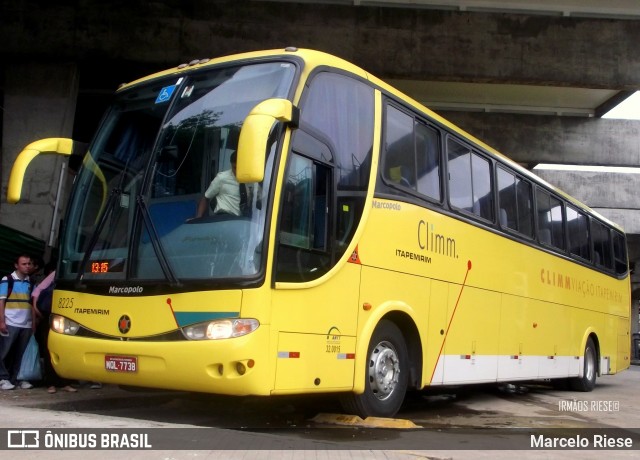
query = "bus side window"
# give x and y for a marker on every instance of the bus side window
(515, 202)
(550, 219)
(428, 161)
(469, 180)
(507, 199)
(524, 197)
(602, 253)
(459, 166)
(411, 154)
(620, 253)
(578, 233)
(399, 153)
(340, 111)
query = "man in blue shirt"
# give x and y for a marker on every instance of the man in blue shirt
(15, 322)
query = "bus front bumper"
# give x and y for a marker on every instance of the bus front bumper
(237, 366)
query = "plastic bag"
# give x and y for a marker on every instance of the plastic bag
(30, 368)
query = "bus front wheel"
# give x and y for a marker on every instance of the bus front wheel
(386, 374)
(588, 380)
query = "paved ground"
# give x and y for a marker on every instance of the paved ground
(611, 406)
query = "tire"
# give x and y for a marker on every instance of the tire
(588, 380)
(386, 374)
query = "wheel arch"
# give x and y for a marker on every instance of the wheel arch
(590, 333)
(596, 343)
(402, 316)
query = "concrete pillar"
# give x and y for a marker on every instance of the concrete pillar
(39, 102)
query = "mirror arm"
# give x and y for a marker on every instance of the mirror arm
(61, 146)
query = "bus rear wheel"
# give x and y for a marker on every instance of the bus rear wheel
(588, 380)
(386, 374)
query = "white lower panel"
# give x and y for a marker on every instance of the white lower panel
(554, 366)
(467, 368)
(517, 367)
(456, 369)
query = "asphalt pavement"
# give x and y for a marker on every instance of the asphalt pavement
(111, 414)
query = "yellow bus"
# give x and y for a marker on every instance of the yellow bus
(374, 247)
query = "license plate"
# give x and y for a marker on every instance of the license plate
(121, 363)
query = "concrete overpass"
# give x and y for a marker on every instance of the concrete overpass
(530, 77)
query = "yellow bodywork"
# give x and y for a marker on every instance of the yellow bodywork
(491, 307)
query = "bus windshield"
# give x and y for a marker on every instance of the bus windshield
(133, 212)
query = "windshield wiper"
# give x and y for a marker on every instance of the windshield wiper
(155, 241)
(115, 194)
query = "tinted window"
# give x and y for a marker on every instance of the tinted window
(428, 161)
(303, 253)
(411, 154)
(550, 226)
(399, 160)
(620, 253)
(524, 196)
(341, 108)
(469, 180)
(460, 185)
(578, 233)
(514, 198)
(602, 255)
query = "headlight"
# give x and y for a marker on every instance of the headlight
(221, 329)
(63, 325)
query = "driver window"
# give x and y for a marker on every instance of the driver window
(304, 252)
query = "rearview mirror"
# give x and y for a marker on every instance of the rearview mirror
(57, 145)
(255, 134)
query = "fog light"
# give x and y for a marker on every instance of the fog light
(240, 368)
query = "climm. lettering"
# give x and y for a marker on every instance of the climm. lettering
(555, 279)
(580, 286)
(431, 241)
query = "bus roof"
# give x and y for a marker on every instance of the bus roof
(311, 58)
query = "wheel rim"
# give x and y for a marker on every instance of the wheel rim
(589, 364)
(384, 370)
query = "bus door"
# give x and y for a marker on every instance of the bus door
(314, 311)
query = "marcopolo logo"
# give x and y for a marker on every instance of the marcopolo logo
(125, 289)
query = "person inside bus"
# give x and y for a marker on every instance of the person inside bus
(231, 196)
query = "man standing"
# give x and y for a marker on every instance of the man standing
(15, 322)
